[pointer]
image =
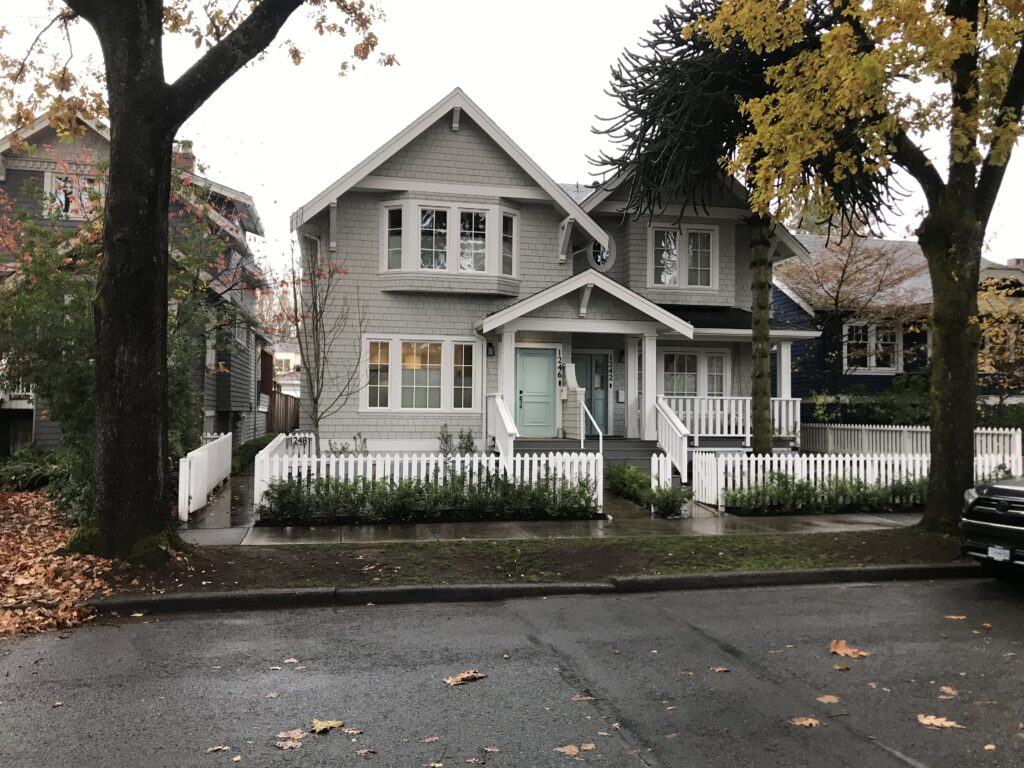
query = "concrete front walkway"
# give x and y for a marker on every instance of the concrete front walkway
(379, 534)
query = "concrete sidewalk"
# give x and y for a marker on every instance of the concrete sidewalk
(379, 534)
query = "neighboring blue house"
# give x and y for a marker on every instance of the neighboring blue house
(879, 333)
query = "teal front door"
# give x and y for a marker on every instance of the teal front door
(535, 392)
(592, 375)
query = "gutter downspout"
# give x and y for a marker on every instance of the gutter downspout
(483, 387)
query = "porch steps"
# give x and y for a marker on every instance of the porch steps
(617, 450)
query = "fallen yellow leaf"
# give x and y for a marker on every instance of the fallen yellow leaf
(218, 748)
(295, 733)
(428, 739)
(955, 617)
(840, 648)
(842, 666)
(582, 697)
(990, 747)
(934, 721)
(587, 746)
(366, 752)
(569, 749)
(323, 726)
(804, 722)
(464, 677)
(719, 669)
(947, 692)
(236, 759)
(289, 744)
(828, 698)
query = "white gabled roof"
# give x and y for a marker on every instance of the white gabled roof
(581, 280)
(43, 122)
(456, 98)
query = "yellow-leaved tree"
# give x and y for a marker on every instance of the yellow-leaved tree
(854, 89)
(131, 513)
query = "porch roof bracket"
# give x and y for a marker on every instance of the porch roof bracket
(585, 298)
(565, 238)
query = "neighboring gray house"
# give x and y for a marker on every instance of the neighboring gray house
(236, 381)
(500, 302)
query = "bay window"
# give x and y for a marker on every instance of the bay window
(394, 238)
(473, 241)
(433, 239)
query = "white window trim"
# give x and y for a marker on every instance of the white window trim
(683, 268)
(50, 180)
(871, 369)
(702, 369)
(411, 208)
(395, 373)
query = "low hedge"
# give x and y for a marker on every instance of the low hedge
(330, 501)
(784, 495)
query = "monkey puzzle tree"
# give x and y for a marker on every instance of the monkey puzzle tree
(682, 117)
(145, 112)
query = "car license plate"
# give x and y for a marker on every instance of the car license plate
(999, 554)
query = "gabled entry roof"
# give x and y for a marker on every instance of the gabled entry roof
(591, 278)
(457, 99)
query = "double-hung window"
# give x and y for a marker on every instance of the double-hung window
(695, 374)
(872, 347)
(433, 238)
(508, 244)
(394, 238)
(473, 241)
(696, 267)
(431, 374)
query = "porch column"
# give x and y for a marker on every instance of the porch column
(507, 369)
(650, 385)
(783, 369)
(632, 380)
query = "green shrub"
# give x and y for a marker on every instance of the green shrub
(244, 456)
(782, 494)
(71, 485)
(628, 482)
(27, 470)
(669, 502)
(327, 501)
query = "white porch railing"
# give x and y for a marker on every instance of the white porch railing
(714, 474)
(201, 471)
(524, 468)
(583, 432)
(896, 438)
(672, 435)
(500, 425)
(730, 416)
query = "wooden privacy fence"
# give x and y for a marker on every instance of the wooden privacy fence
(278, 462)
(898, 438)
(714, 474)
(282, 413)
(201, 471)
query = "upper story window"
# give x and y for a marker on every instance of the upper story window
(73, 195)
(602, 258)
(872, 347)
(473, 241)
(433, 239)
(486, 241)
(685, 257)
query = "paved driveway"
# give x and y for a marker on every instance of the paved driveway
(136, 692)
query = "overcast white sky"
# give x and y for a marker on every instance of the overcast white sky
(539, 68)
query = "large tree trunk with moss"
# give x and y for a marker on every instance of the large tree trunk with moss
(761, 253)
(951, 239)
(130, 308)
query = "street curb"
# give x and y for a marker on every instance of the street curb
(256, 599)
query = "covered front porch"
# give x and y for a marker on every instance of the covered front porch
(594, 359)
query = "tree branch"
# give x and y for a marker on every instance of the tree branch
(221, 62)
(992, 172)
(913, 159)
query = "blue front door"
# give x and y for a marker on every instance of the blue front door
(535, 392)
(592, 375)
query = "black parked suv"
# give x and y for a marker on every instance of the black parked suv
(992, 526)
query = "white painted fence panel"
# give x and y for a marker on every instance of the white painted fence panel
(275, 463)
(897, 438)
(714, 474)
(201, 471)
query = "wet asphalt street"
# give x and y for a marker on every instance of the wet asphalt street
(158, 692)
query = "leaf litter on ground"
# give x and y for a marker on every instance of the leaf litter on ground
(468, 676)
(840, 648)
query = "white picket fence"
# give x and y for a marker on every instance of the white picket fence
(201, 471)
(279, 462)
(898, 438)
(714, 474)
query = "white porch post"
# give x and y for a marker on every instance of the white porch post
(784, 369)
(650, 385)
(632, 380)
(507, 369)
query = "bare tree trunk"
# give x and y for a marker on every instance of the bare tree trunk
(951, 240)
(130, 308)
(760, 374)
